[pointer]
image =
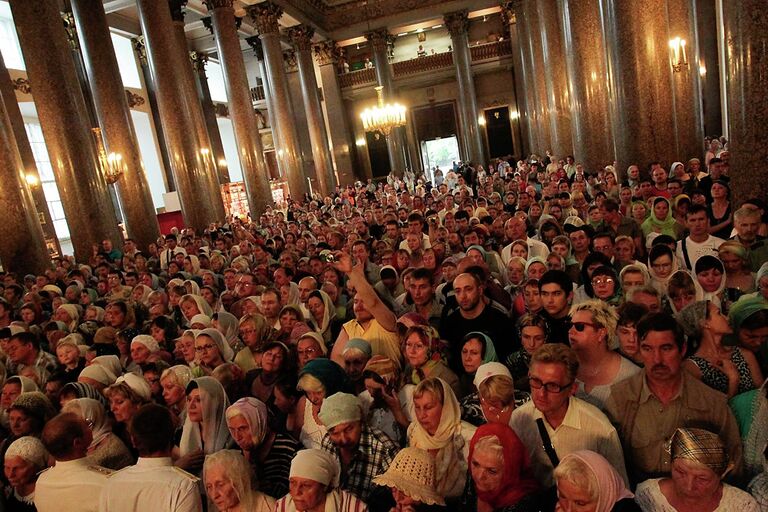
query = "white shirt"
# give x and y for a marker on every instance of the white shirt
(583, 428)
(70, 485)
(696, 250)
(536, 248)
(166, 256)
(152, 484)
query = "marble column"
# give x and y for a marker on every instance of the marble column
(265, 16)
(77, 57)
(165, 60)
(301, 36)
(588, 83)
(199, 60)
(520, 137)
(457, 24)
(27, 157)
(327, 54)
(189, 93)
(149, 86)
(555, 77)
(63, 118)
(707, 25)
(23, 248)
(381, 41)
(258, 50)
(255, 174)
(658, 110)
(535, 62)
(114, 117)
(746, 31)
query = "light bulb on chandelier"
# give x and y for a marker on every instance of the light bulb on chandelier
(383, 117)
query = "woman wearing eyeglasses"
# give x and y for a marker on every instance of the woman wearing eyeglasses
(604, 285)
(592, 332)
(212, 349)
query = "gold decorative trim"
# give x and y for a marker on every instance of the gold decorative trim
(134, 100)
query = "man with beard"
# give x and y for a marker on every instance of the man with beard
(475, 313)
(650, 406)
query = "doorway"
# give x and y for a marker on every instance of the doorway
(498, 128)
(440, 152)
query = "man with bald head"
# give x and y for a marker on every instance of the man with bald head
(475, 312)
(515, 229)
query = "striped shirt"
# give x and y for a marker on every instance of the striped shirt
(336, 500)
(273, 473)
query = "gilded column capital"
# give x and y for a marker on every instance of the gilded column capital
(69, 26)
(199, 60)
(301, 37)
(457, 22)
(509, 10)
(327, 52)
(218, 4)
(140, 48)
(265, 16)
(177, 9)
(291, 64)
(255, 43)
(380, 39)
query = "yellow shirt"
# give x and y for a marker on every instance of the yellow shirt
(383, 342)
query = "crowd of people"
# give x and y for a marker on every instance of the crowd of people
(530, 336)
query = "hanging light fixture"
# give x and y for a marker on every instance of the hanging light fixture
(383, 118)
(112, 164)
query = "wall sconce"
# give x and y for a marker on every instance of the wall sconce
(481, 120)
(702, 70)
(677, 54)
(514, 115)
(222, 163)
(360, 143)
(32, 180)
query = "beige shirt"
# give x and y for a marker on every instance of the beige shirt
(70, 485)
(646, 425)
(584, 427)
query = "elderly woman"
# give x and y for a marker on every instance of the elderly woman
(309, 346)
(588, 483)
(730, 370)
(604, 285)
(322, 316)
(212, 349)
(424, 352)
(699, 464)
(227, 481)
(314, 482)
(477, 348)
(500, 477)
(593, 328)
(356, 354)
(386, 405)
(126, 396)
(411, 478)
(749, 318)
(255, 332)
(25, 458)
(174, 381)
(268, 452)
(495, 397)
(320, 378)
(440, 431)
(106, 449)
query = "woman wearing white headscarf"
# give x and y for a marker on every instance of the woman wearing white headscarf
(227, 480)
(24, 460)
(192, 305)
(106, 449)
(269, 453)
(212, 349)
(205, 427)
(322, 317)
(315, 474)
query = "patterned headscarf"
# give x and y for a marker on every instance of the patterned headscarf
(700, 446)
(386, 369)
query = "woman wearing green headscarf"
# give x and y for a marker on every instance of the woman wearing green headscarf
(476, 349)
(662, 220)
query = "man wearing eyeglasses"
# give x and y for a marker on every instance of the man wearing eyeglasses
(556, 423)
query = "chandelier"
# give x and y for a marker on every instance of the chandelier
(383, 118)
(112, 164)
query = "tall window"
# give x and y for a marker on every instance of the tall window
(216, 81)
(126, 61)
(9, 42)
(47, 180)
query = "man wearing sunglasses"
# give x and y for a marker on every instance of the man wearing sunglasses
(650, 406)
(555, 423)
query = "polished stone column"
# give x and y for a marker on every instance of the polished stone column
(258, 50)
(149, 86)
(327, 54)
(520, 127)
(189, 91)
(199, 60)
(189, 170)
(77, 58)
(255, 174)
(457, 24)
(588, 83)
(321, 154)
(114, 117)
(538, 85)
(23, 248)
(381, 40)
(658, 110)
(27, 157)
(62, 113)
(746, 31)
(265, 16)
(707, 26)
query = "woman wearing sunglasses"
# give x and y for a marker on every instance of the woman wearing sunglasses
(592, 334)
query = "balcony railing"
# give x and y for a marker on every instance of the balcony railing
(257, 93)
(428, 63)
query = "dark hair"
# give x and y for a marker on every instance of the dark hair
(708, 262)
(557, 277)
(756, 320)
(658, 251)
(152, 429)
(476, 335)
(422, 273)
(631, 313)
(694, 209)
(661, 322)
(26, 337)
(168, 326)
(60, 433)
